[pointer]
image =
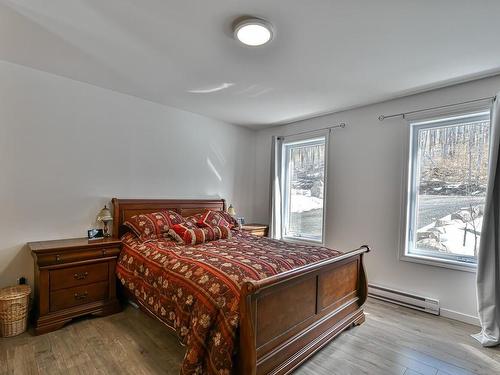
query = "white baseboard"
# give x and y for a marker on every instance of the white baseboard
(418, 302)
(399, 297)
(474, 320)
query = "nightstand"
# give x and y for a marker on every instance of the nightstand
(73, 277)
(260, 230)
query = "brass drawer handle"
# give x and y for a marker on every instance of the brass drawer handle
(81, 276)
(58, 258)
(80, 296)
(104, 252)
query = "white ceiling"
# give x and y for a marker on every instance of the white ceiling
(327, 55)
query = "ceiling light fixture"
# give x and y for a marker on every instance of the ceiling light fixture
(253, 31)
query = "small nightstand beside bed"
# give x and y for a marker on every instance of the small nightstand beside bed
(260, 230)
(245, 304)
(73, 277)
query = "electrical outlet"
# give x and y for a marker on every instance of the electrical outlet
(22, 280)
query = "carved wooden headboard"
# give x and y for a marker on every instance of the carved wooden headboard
(124, 209)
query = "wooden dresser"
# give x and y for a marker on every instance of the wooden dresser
(260, 230)
(73, 277)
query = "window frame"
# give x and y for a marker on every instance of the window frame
(409, 185)
(288, 141)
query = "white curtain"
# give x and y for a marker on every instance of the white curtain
(275, 193)
(488, 269)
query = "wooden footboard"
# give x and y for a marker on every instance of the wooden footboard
(286, 318)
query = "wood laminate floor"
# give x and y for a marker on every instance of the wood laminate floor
(393, 340)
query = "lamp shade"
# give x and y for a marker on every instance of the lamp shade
(231, 211)
(104, 215)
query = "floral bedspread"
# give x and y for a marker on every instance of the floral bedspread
(196, 289)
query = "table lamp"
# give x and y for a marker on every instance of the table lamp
(104, 216)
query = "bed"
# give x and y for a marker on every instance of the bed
(243, 305)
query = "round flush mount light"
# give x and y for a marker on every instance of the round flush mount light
(253, 31)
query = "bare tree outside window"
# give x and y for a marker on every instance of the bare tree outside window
(304, 165)
(448, 186)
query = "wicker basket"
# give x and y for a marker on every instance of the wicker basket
(14, 304)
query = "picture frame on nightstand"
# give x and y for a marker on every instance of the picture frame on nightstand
(95, 234)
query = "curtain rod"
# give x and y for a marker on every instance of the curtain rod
(340, 125)
(403, 114)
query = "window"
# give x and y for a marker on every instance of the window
(304, 178)
(447, 181)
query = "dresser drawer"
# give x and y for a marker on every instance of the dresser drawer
(58, 258)
(76, 276)
(65, 298)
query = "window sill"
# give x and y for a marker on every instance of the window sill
(450, 264)
(303, 241)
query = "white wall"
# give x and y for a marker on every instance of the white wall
(364, 192)
(67, 148)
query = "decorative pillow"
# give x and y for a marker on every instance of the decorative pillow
(233, 223)
(153, 226)
(221, 233)
(189, 234)
(194, 219)
(213, 218)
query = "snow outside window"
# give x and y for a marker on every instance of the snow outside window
(448, 173)
(304, 179)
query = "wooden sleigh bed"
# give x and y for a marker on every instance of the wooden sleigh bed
(286, 318)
